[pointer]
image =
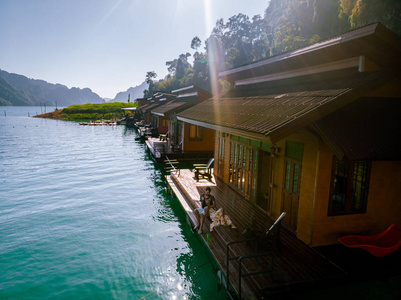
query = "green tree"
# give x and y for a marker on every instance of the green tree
(242, 39)
(182, 65)
(326, 22)
(387, 12)
(196, 43)
(149, 80)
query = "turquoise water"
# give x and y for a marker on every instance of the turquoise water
(84, 215)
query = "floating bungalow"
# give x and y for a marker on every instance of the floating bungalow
(148, 126)
(131, 117)
(133, 114)
(178, 139)
(156, 100)
(314, 133)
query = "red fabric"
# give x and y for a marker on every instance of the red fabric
(381, 244)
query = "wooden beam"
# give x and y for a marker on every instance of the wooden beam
(332, 66)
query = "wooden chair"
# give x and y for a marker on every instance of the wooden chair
(204, 170)
(163, 137)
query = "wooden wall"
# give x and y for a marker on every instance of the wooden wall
(383, 204)
(314, 226)
(206, 144)
(308, 179)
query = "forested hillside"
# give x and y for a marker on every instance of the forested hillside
(285, 25)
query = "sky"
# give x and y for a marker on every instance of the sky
(106, 45)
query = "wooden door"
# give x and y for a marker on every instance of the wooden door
(292, 180)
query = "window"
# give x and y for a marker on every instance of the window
(349, 187)
(243, 167)
(195, 133)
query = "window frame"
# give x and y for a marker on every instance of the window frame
(198, 133)
(244, 160)
(350, 166)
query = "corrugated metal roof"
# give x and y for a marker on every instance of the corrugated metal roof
(168, 107)
(149, 107)
(143, 106)
(287, 103)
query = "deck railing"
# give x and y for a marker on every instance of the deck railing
(241, 258)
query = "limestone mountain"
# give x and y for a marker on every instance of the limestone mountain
(11, 96)
(134, 92)
(17, 89)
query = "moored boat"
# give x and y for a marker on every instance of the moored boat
(98, 123)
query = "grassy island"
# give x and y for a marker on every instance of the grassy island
(87, 112)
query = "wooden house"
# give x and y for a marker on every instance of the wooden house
(315, 133)
(186, 137)
(146, 107)
(141, 101)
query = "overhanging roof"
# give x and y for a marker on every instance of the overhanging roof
(168, 108)
(288, 106)
(368, 128)
(377, 43)
(187, 96)
(150, 106)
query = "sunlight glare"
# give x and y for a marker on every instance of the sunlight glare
(208, 17)
(213, 55)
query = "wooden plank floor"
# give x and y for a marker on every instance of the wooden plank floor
(295, 265)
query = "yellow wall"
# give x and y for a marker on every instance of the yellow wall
(383, 204)
(206, 144)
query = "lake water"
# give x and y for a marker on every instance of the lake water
(84, 215)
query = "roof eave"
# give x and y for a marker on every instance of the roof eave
(234, 131)
(383, 38)
(158, 114)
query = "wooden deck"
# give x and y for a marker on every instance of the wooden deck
(296, 266)
(160, 149)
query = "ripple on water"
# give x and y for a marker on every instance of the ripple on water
(84, 215)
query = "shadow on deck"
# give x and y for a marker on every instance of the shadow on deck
(296, 267)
